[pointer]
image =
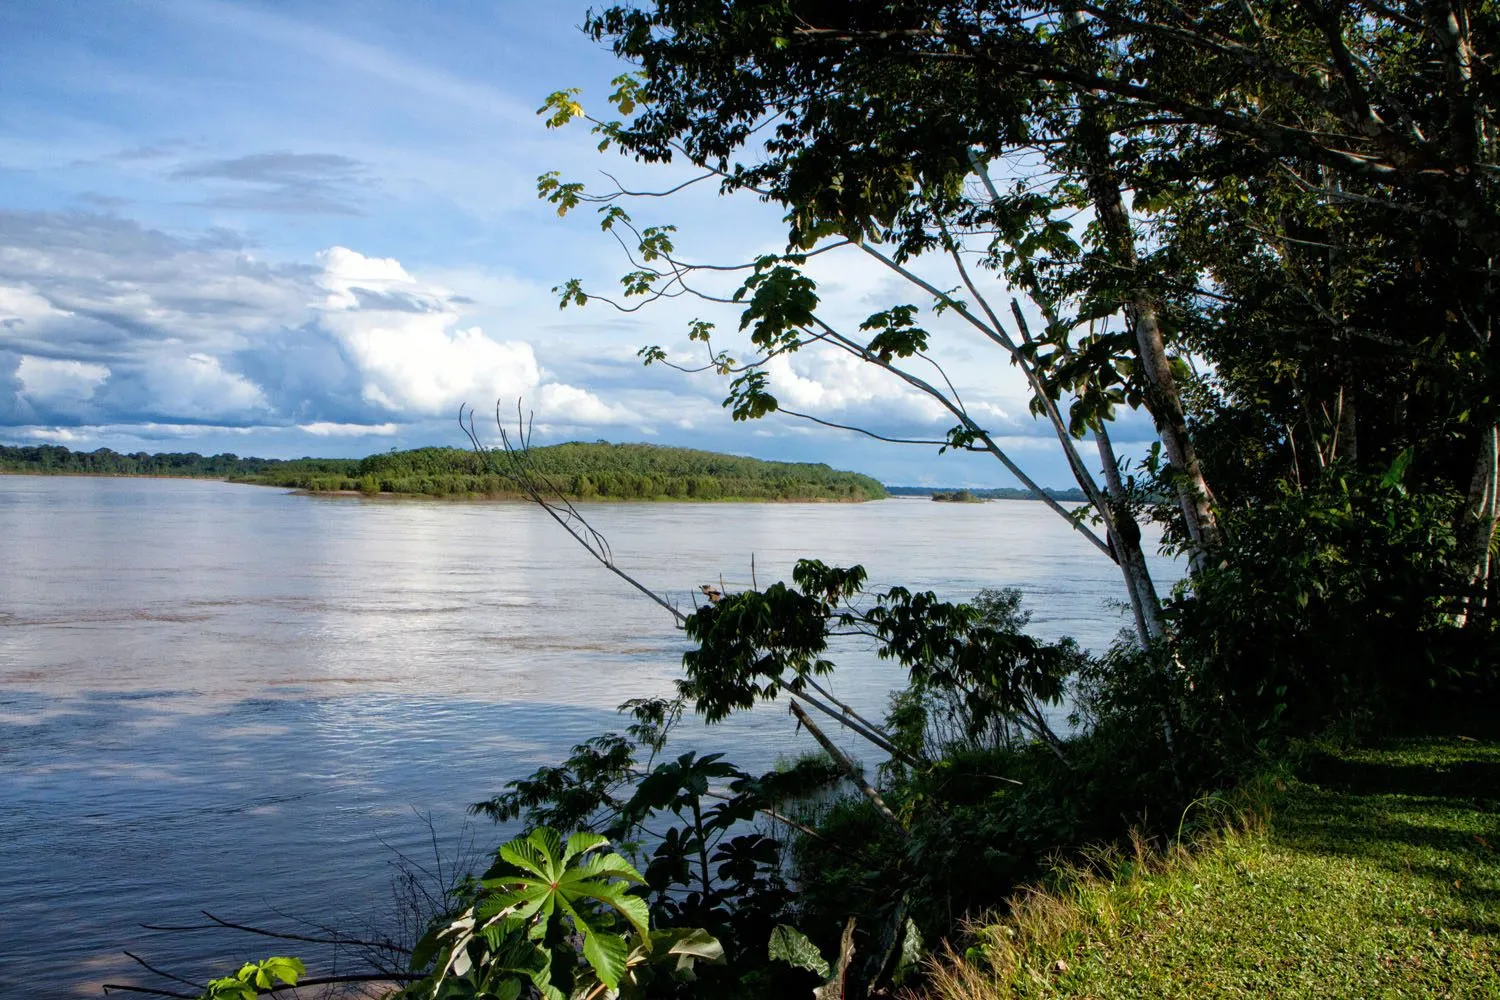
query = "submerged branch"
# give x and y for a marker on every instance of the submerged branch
(850, 770)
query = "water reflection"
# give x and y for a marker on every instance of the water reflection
(234, 698)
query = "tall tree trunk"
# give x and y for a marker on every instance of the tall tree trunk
(1123, 533)
(1125, 536)
(1481, 520)
(1163, 399)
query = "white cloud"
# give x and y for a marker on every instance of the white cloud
(403, 337)
(198, 387)
(56, 435)
(569, 405)
(51, 380)
(324, 428)
(20, 305)
(104, 321)
(830, 382)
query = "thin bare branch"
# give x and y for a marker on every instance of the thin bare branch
(545, 494)
(147, 990)
(864, 431)
(161, 972)
(850, 770)
(858, 350)
(219, 923)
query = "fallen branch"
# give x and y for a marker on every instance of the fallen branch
(850, 771)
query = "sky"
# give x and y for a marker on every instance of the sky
(286, 229)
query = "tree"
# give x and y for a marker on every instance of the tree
(1362, 132)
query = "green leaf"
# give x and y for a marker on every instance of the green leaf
(791, 946)
(912, 950)
(582, 843)
(606, 954)
(605, 866)
(561, 107)
(632, 908)
(288, 970)
(689, 944)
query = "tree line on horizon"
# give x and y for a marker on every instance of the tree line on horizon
(579, 470)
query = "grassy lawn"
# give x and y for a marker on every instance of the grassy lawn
(1378, 875)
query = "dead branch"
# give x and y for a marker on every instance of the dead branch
(548, 496)
(850, 770)
(219, 923)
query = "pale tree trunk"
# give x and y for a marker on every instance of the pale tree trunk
(1163, 399)
(1346, 436)
(1481, 520)
(1123, 533)
(1125, 536)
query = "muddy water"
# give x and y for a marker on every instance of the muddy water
(236, 699)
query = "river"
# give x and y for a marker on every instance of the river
(247, 701)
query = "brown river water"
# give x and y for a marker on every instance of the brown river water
(241, 700)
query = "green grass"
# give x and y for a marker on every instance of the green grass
(1378, 875)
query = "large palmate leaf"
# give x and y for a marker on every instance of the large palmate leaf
(673, 953)
(555, 878)
(544, 898)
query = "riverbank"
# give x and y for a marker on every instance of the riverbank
(503, 497)
(582, 471)
(1375, 872)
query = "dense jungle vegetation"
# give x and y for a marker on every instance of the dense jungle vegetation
(588, 471)
(582, 471)
(51, 459)
(1272, 227)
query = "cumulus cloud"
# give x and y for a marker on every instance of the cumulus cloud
(833, 381)
(404, 338)
(571, 406)
(837, 386)
(52, 379)
(107, 323)
(197, 387)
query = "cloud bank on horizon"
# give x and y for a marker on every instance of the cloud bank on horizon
(226, 229)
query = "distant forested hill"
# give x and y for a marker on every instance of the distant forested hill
(612, 471)
(603, 471)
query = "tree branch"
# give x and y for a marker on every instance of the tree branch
(850, 771)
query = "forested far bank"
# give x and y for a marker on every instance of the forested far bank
(588, 471)
(51, 459)
(582, 471)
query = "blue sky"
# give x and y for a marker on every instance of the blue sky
(287, 229)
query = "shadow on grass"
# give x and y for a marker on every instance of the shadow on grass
(1471, 772)
(1418, 809)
